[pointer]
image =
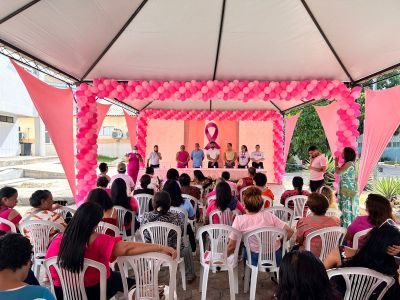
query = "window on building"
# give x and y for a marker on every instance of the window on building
(106, 131)
(6, 119)
(47, 138)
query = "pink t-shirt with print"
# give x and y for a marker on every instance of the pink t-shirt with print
(318, 162)
(99, 250)
(213, 206)
(247, 223)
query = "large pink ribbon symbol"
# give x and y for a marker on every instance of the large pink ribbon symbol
(213, 137)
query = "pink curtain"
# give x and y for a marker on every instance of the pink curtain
(290, 125)
(102, 110)
(382, 117)
(55, 107)
(131, 124)
(329, 118)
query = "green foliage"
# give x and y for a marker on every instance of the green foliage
(106, 159)
(388, 187)
(292, 166)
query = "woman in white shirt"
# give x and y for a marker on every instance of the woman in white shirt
(243, 157)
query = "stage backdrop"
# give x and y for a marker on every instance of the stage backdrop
(170, 134)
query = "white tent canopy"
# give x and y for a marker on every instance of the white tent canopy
(203, 40)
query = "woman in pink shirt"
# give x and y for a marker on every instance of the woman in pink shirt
(224, 200)
(378, 209)
(182, 158)
(134, 159)
(80, 241)
(8, 200)
(256, 219)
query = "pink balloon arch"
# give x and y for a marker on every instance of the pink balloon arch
(245, 91)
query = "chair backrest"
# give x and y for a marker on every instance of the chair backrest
(182, 212)
(39, 232)
(333, 212)
(12, 226)
(265, 239)
(267, 199)
(331, 237)
(105, 228)
(121, 213)
(362, 282)
(215, 254)
(64, 210)
(243, 190)
(146, 268)
(224, 217)
(360, 236)
(299, 202)
(143, 201)
(193, 200)
(283, 213)
(72, 284)
(158, 232)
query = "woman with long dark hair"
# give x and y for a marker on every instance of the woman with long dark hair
(101, 197)
(302, 276)
(80, 241)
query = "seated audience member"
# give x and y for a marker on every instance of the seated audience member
(256, 219)
(378, 209)
(318, 204)
(172, 174)
(174, 191)
(329, 194)
(224, 200)
(161, 213)
(297, 183)
(101, 197)
(205, 182)
(302, 276)
(260, 180)
(80, 241)
(8, 200)
(15, 265)
(214, 190)
(42, 209)
(102, 183)
(130, 185)
(144, 188)
(103, 168)
(227, 176)
(382, 244)
(248, 180)
(188, 189)
(155, 181)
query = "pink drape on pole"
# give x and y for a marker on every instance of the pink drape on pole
(55, 107)
(329, 118)
(290, 125)
(102, 110)
(131, 124)
(382, 117)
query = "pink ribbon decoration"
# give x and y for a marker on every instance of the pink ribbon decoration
(213, 137)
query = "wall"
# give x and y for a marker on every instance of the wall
(9, 143)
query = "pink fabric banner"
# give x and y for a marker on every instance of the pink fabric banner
(290, 125)
(329, 118)
(55, 107)
(382, 117)
(131, 124)
(102, 110)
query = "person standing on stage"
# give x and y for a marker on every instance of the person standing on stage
(197, 156)
(230, 157)
(244, 157)
(134, 159)
(257, 158)
(213, 156)
(154, 158)
(317, 168)
(182, 158)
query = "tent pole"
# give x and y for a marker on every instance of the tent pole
(221, 26)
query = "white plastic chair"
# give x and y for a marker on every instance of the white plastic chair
(146, 268)
(181, 211)
(266, 239)
(72, 284)
(242, 192)
(362, 282)
(121, 213)
(215, 257)
(200, 201)
(299, 202)
(159, 232)
(143, 201)
(265, 200)
(225, 217)
(331, 237)
(193, 200)
(358, 236)
(12, 226)
(333, 212)
(283, 213)
(39, 232)
(103, 227)
(64, 210)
